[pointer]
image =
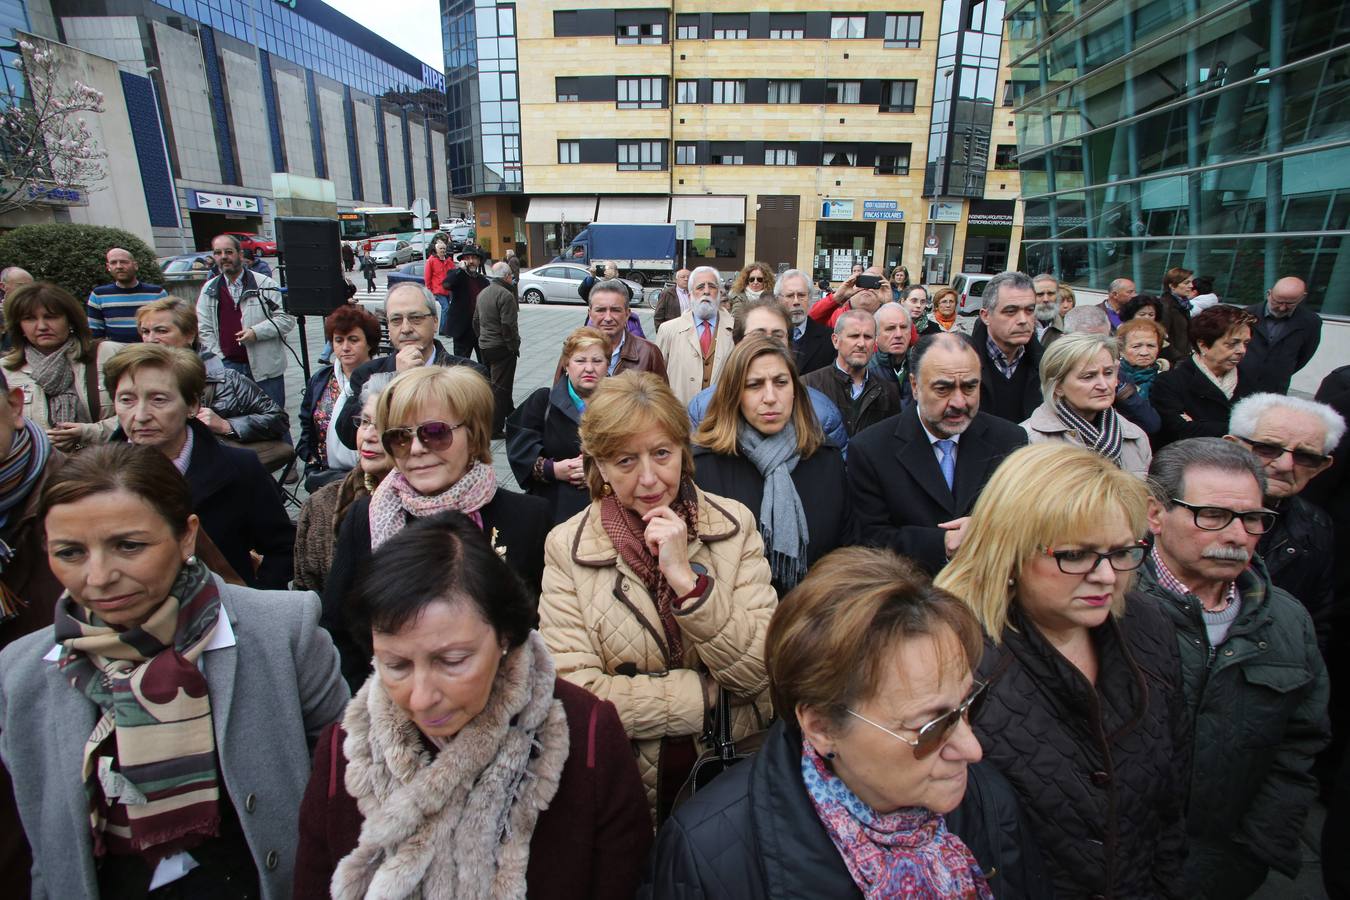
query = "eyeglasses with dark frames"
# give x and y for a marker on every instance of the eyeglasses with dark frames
(435, 436)
(1083, 561)
(396, 321)
(932, 735)
(1267, 452)
(1217, 518)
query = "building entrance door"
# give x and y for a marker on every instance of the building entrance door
(776, 225)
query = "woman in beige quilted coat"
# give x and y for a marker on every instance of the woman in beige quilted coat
(657, 595)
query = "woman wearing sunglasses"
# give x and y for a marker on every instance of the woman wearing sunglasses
(1084, 713)
(751, 283)
(436, 425)
(870, 782)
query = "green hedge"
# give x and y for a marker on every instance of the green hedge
(74, 256)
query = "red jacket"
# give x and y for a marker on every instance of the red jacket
(434, 272)
(591, 842)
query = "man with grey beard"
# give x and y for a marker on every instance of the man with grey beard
(1256, 688)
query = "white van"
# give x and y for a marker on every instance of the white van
(969, 287)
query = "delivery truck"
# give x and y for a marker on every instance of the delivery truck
(643, 253)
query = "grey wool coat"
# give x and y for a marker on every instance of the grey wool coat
(272, 691)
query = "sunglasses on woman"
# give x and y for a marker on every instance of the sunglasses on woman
(933, 735)
(435, 436)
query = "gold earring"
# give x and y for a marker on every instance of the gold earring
(606, 490)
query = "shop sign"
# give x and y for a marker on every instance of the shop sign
(836, 209)
(883, 211)
(224, 202)
(942, 211)
(991, 212)
(57, 196)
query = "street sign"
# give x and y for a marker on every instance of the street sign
(422, 224)
(684, 229)
(930, 245)
(421, 207)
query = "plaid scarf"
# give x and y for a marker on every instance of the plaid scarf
(55, 374)
(19, 471)
(626, 529)
(395, 499)
(1104, 438)
(159, 790)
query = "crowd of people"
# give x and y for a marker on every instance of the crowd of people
(1039, 603)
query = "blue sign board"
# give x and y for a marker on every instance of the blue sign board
(883, 211)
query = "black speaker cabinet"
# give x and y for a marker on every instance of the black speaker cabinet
(315, 285)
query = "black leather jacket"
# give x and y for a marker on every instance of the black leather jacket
(252, 414)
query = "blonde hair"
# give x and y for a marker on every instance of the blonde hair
(1066, 354)
(463, 390)
(623, 407)
(186, 367)
(1064, 292)
(721, 423)
(1012, 523)
(583, 338)
(184, 315)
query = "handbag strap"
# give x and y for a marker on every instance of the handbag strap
(726, 747)
(91, 374)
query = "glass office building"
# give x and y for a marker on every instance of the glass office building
(482, 84)
(1209, 134)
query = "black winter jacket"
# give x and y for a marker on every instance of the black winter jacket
(753, 834)
(252, 414)
(880, 398)
(1258, 707)
(545, 425)
(307, 446)
(996, 392)
(1191, 405)
(820, 482)
(1269, 366)
(1099, 769)
(1300, 555)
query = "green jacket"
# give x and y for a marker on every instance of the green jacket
(1258, 705)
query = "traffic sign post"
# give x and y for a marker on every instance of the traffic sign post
(421, 210)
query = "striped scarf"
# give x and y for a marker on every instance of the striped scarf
(1104, 438)
(159, 790)
(19, 471)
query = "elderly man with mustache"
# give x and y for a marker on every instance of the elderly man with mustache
(1255, 683)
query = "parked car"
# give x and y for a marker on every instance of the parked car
(558, 283)
(392, 253)
(462, 234)
(185, 267)
(969, 287)
(258, 244)
(412, 272)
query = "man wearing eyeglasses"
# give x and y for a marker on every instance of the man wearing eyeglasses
(1293, 438)
(412, 314)
(811, 341)
(1256, 686)
(1284, 339)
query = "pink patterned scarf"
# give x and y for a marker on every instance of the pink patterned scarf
(395, 499)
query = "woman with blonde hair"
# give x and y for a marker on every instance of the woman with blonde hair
(760, 443)
(1084, 713)
(751, 283)
(657, 595)
(436, 424)
(1079, 375)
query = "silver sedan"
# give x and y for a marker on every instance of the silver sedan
(559, 283)
(392, 253)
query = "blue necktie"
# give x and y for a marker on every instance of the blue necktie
(948, 462)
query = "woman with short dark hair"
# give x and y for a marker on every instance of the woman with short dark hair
(1178, 287)
(1143, 306)
(464, 767)
(355, 337)
(869, 784)
(1195, 396)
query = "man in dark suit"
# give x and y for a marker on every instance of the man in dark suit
(1005, 341)
(914, 477)
(1284, 338)
(811, 341)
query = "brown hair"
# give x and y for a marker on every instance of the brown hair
(1175, 276)
(769, 302)
(184, 315)
(721, 423)
(834, 634)
(584, 337)
(946, 292)
(1129, 325)
(141, 471)
(185, 366)
(1214, 324)
(26, 300)
(622, 407)
(350, 317)
(738, 286)
(459, 387)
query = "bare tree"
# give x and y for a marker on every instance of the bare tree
(46, 150)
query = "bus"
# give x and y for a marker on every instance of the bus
(369, 221)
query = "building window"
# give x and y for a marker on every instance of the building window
(848, 26)
(1007, 93)
(686, 28)
(903, 30)
(728, 92)
(898, 96)
(646, 33)
(728, 159)
(785, 92)
(686, 154)
(641, 93)
(780, 156)
(894, 163)
(787, 26)
(731, 27)
(686, 91)
(839, 158)
(1005, 157)
(843, 91)
(565, 23)
(567, 89)
(642, 156)
(569, 152)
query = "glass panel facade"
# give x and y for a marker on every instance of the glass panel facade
(970, 38)
(13, 16)
(484, 107)
(1195, 133)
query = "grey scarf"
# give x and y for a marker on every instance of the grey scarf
(782, 520)
(54, 373)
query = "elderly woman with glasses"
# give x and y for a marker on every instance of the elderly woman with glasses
(436, 424)
(1085, 714)
(870, 782)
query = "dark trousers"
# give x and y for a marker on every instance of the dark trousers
(503, 377)
(370, 282)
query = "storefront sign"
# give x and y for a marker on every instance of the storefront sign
(224, 202)
(944, 211)
(433, 78)
(883, 211)
(836, 209)
(57, 196)
(991, 212)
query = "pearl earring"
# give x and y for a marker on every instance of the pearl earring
(191, 560)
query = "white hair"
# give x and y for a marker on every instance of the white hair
(717, 276)
(891, 305)
(1247, 412)
(1089, 319)
(427, 296)
(500, 270)
(811, 289)
(852, 315)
